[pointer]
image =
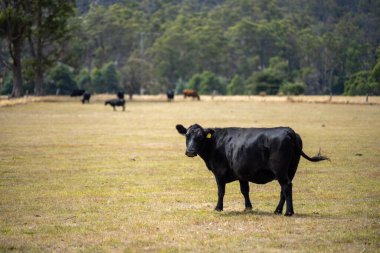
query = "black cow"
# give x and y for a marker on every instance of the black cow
(170, 95)
(77, 93)
(116, 102)
(86, 97)
(120, 95)
(257, 155)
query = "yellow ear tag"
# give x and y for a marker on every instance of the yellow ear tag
(208, 136)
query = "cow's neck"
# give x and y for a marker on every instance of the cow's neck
(206, 150)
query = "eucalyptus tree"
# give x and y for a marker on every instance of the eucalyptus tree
(47, 34)
(14, 22)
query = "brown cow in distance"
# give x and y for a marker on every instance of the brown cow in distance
(191, 93)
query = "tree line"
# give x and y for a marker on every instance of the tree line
(217, 46)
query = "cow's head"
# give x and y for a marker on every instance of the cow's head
(196, 137)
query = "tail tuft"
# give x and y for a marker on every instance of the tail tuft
(316, 158)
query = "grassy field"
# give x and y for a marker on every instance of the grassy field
(82, 178)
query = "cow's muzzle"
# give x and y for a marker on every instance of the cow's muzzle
(190, 154)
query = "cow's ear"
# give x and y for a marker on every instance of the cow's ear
(181, 129)
(209, 133)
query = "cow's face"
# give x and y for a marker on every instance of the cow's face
(196, 137)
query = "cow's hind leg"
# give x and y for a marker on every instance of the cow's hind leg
(244, 188)
(280, 205)
(286, 194)
(286, 190)
(289, 199)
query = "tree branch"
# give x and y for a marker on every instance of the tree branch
(31, 44)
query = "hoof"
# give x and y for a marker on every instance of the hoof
(248, 209)
(278, 212)
(289, 213)
(218, 209)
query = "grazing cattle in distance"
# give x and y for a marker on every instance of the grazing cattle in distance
(120, 95)
(191, 93)
(86, 97)
(170, 95)
(115, 102)
(77, 93)
(258, 155)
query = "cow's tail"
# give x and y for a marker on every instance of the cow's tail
(298, 144)
(316, 158)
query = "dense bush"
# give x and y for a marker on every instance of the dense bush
(105, 79)
(61, 80)
(361, 83)
(270, 79)
(7, 85)
(293, 88)
(83, 80)
(236, 86)
(207, 83)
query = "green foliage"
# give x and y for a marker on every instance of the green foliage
(361, 83)
(236, 86)
(180, 86)
(195, 82)
(61, 77)
(14, 21)
(7, 85)
(207, 83)
(97, 81)
(83, 79)
(110, 77)
(270, 79)
(375, 74)
(293, 88)
(211, 83)
(103, 80)
(178, 39)
(136, 75)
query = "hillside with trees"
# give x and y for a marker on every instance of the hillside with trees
(216, 46)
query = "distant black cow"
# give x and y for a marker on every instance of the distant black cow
(86, 97)
(120, 95)
(170, 95)
(191, 93)
(257, 155)
(116, 102)
(77, 93)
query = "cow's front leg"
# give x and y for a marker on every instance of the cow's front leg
(244, 188)
(221, 191)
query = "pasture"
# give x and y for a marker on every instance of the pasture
(83, 178)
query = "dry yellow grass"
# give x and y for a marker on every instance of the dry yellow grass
(83, 178)
(4, 101)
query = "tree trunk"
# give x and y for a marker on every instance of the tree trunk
(17, 90)
(39, 83)
(39, 78)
